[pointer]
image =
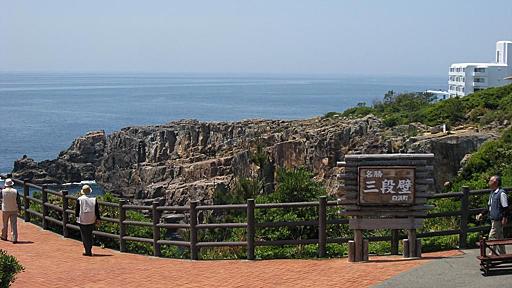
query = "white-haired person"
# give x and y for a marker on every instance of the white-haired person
(498, 210)
(10, 200)
(87, 215)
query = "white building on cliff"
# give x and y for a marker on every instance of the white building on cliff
(466, 78)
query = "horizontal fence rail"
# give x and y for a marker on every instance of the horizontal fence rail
(191, 212)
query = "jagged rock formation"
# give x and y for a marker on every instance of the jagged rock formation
(450, 150)
(77, 163)
(189, 159)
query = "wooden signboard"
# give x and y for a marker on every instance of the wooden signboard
(386, 191)
(386, 185)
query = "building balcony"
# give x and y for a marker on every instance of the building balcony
(480, 73)
(480, 84)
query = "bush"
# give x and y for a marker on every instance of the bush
(391, 120)
(9, 267)
(356, 112)
(331, 115)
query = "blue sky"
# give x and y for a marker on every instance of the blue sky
(237, 36)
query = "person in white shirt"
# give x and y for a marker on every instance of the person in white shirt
(10, 200)
(88, 214)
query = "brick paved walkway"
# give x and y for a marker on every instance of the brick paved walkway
(52, 261)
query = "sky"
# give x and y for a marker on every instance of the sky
(346, 37)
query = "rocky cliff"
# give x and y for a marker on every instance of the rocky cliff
(192, 159)
(78, 162)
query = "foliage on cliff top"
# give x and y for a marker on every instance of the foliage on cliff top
(482, 107)
(492, 158)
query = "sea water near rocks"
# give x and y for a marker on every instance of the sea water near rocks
(42, 113)
(72, 188)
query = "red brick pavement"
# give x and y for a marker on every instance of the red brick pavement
(53, 261)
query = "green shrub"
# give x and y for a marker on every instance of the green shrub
(9, 267)
(357, 112)
(331, 115)
(392, 120)
(296, 185)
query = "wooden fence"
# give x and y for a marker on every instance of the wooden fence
(195, 244)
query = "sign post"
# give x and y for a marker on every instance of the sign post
(386, 191)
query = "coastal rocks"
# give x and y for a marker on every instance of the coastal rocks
(191, 160)
(450, 150)
(75, 164)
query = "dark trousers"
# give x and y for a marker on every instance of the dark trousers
(86, 233)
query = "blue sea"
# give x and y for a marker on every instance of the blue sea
(41, 113)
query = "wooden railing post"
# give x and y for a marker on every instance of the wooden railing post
(322, 226)
(464, 215)
(122, 226)
(65, 205)
(45, 208)
(251, 229)
(26, 201)
(194, 253)
(411, 237)
(395, 238)
(358, 242)
(156, 229)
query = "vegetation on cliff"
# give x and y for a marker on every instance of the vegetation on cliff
(482, 108)
(492, 106)
(493, 158)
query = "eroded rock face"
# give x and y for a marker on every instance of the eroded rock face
(193, 159)
(77, 163)
(449, 150)
(188, 159)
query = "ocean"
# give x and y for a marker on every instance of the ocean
(41, 113)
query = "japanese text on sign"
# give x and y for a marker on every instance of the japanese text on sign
(386, 185)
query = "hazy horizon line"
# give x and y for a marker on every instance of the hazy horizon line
(221, 74)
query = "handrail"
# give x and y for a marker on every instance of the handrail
(287, 205)
(173, 208)
(108, 204)
(157, 210)
(137, 207)
(223, 207)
